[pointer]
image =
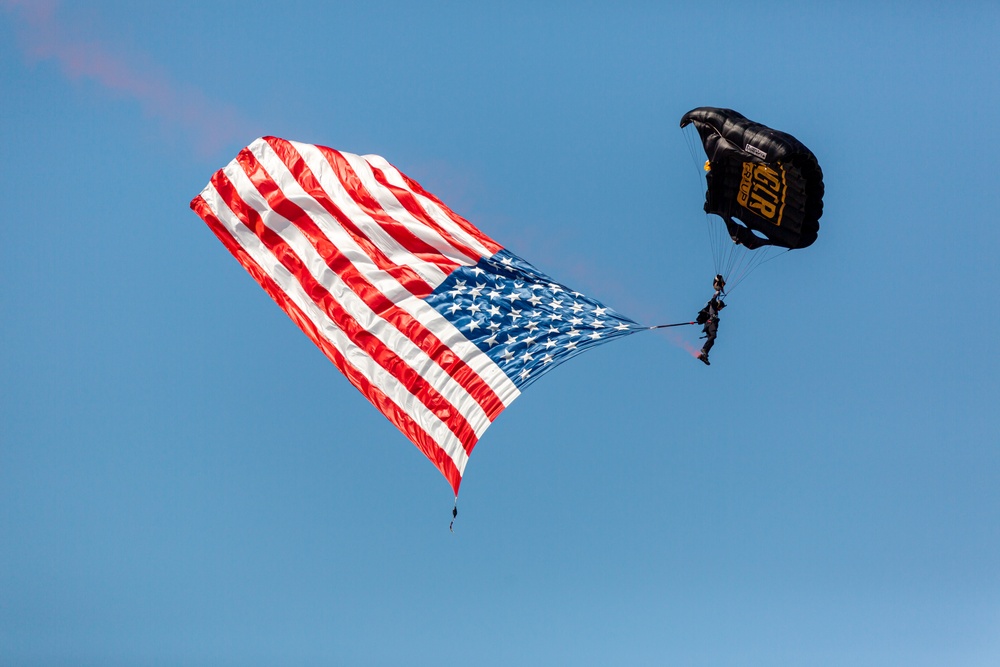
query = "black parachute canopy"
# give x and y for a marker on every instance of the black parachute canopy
(765, 179)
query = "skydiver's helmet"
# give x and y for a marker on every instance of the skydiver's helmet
(719, 305)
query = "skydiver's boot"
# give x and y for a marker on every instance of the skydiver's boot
(703, 357)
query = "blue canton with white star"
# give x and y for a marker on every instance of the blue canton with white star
(526, 322)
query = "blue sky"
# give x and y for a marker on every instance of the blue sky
(185, 479)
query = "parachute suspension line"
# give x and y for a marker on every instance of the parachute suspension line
(760, 257)
(693, 140)
(746, 261)
(724, 251)
(731, 260)
(717, 237)
(739, 271)
(714, 243)
(735, 257)
(729, 254)
(728, 248)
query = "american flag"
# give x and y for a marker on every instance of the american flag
(434, 322)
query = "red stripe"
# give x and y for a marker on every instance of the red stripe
(369, 204)
(409, 378)
(469, 228)
(356, 280)
(376, 396)
(404, 275)
(413, 207)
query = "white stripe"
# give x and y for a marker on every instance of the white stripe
(398, 212)
(417, 308)
(341, 198)
(354, 355)
(432, 209)
(399, 344)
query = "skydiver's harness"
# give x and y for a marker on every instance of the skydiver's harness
(707, 314)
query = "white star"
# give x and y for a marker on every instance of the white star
(473, 325)
(622, 327)
(596, 335)
(475, 291)
(507, 355)
(526, 357)
(494, 295)
(547, 359)
(525, 373)
(506, 261)
(534, 299)
(512, 297)
(597, 323)
(518, 285)
(555, 288)
(492, 340)
(576, 308)
(455, 307)
(494, 310)
(475, 307)
(515, 314)
(572, 332)
(476, 271)
(571, 345)
(529, 340)
(575, 321)
(510, 340)
(555, 316)
(531, 326)
(553, 330)
(577, 294)
(599, 311)
(549, 344)
(536, 286)
(556, 303)
(494, 326)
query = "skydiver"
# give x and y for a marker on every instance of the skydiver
(709, 318)
(719, 285)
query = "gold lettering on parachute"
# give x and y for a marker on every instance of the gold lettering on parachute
(762, 191)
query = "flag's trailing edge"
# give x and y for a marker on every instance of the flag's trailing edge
(434, 322)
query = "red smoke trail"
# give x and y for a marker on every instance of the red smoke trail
(210, 124)
(691, 349)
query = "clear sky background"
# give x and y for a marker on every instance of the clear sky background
(185, 479)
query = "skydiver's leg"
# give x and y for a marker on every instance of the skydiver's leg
(703, 355)
(708, 343)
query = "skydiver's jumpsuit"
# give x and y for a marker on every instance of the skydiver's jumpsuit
(711, 327)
